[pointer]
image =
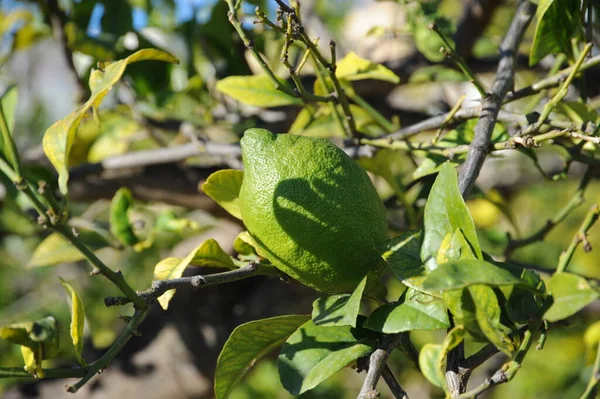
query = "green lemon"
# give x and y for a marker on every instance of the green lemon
(311, 209)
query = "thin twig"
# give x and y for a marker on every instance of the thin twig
(19, 372)
(392, 382)
(113, 351)
(580, 237)
(592, 387)
(451, 53)
(576, 200)
(506, 372)
(159, 287)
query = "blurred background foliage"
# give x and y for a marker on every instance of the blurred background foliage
(158, 105)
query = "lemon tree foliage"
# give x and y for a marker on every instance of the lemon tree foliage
(344, 196)
(59, 138)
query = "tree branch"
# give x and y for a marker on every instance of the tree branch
(377, 362)
(491, 104)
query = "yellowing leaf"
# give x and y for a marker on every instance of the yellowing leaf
(77, 320)
(257, 90)
(206, 254)
(209, 253)
(223, 186)
(352, 67)
(55, 249)
(59, 138)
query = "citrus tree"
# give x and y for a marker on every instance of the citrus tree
(388, 224)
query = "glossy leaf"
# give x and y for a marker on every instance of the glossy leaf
(55, 249)
(207, 253)
(314, 353)
(223, 186)
(352, 67)
(445, 212)
(257, 90)
(570, 294)
(244, 245)
(463, 273)
(210, 253)
(59, 137)
(120, 226)
(558, 24)
(77, 321)
(338, 310)
(402, 254)
(247, 344)
(408, 315)
(8, 101)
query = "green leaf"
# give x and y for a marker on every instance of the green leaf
(206, 254)
(244, 245)
(487, 313)
(59, 137)
(402, 254)
(352, 67)
(408, 315)
(247, 344)
(314, 353)
(8, 101)
(223, 187)
(55, 249)
(463, 273)
(339, 310)
(558, 23)
(445, 212)
(39, 340)
(256, 90)
(570, 293)
(168, 221)
(120, 226)
(77, 321)
(209, 253)
(432, 358)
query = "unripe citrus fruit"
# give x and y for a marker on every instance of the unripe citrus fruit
(311, 209)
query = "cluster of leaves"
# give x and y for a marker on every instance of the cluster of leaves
(450, 282)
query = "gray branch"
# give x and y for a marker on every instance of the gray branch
(377, 367)
(491, 104)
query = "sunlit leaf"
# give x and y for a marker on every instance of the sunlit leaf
(224, 186)
(247, 344)
(558, 24)
(338, 310)
(209, 253)
(570, 294)
(353, 67)
(256, 90)
(314, 353)
(402, 254)
(59, 138)
(408, 315)
(446, 211)
(55, 249)
(77, 321)
(206, 254)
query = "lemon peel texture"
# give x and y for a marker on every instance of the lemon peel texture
(311, 209)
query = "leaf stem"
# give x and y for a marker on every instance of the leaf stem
(592, 387)
(581, 236)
